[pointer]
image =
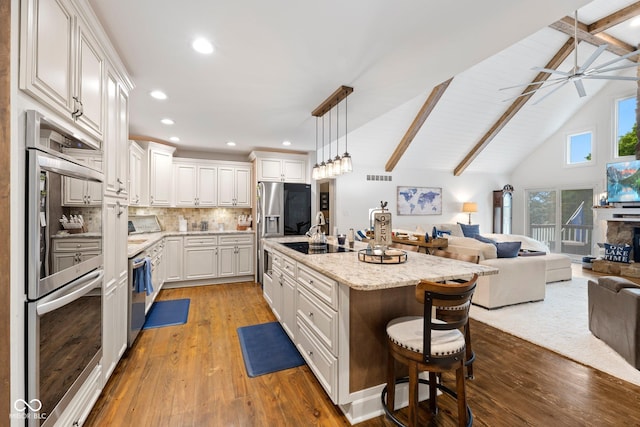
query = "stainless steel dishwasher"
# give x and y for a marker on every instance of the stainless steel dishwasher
(137, 300)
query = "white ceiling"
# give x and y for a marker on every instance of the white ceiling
(276, 61)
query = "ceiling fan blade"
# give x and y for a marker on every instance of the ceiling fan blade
(580, 87)
(533, 83)
(554, 90)
(598, 77)
(551, 71)
(620, 67)
(592, 58)
(613, 61)
(537, 89)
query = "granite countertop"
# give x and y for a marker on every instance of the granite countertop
(140, 241)
(87, 235)
(345, 267)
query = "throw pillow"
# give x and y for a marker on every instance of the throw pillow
(508, 249)
(617, 253)
(484, 239)
(470, 230)
(439, 233)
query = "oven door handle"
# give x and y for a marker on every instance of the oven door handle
(70, 293)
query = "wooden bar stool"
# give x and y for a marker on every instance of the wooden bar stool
(433, 345)
(470, 355)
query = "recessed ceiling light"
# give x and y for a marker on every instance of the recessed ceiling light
(231, 144)
(174, 139)
(167, 121)
(635, 22)
(202, 45)
(287, 143)
(158, 94)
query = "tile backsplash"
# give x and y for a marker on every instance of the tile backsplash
(168, 217)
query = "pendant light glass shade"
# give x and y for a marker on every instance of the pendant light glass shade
(345, 163)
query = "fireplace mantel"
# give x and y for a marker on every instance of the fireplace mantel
(617, 214)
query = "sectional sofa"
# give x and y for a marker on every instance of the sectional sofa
(521, 278)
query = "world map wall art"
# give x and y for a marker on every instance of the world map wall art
(419, 201)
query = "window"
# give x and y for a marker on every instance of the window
(579, 148)
(626, 127)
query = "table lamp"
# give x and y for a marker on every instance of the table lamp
(469, 207)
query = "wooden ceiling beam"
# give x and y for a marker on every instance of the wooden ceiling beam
(614, 19)
(417, 123)
(620, 48)
(513, 109)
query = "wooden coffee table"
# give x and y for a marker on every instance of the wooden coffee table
(429, 246)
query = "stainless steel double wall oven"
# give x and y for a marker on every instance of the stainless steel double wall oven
(64, 267)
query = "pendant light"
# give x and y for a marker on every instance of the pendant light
(315, 172)
(322, 171)
(330, 173)
(345, 163)
(337, 162)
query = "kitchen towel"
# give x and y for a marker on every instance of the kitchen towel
(142, 277)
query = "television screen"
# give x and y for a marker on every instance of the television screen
(623, 181)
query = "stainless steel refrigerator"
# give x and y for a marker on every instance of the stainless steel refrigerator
(283, 209)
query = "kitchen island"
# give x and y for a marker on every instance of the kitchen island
(335, 309)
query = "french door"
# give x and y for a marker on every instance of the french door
(562, 219)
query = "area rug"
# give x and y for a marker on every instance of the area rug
(266, 348)
(167, 313)
(561, 324)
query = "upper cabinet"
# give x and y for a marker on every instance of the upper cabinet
(137, 171)
(160, 174)
(61, 63)
(116, 142)
(195, 184)
(234, 186)
(280, 166)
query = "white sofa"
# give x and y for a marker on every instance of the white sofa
(521, 279)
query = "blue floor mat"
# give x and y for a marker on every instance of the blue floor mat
(167, 313)
(266, 348)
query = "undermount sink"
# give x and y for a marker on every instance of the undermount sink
(136, 241)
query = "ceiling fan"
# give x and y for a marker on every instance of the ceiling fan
(577, 74)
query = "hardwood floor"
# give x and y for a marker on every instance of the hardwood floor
(194, 375)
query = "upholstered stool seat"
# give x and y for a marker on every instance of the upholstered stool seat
(408, 333)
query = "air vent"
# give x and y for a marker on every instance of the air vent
(379, 178)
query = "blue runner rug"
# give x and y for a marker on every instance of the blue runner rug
(266, 348)
(167, 313)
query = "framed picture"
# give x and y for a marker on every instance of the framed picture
(324, 201)
(419, 201)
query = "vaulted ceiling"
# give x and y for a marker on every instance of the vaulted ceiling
(275, 62)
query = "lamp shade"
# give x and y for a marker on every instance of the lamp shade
(469, 207)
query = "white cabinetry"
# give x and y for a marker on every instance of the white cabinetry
(234, 186)
(280, 166)
(317, 326)
(284, 292)
(69, 251)
(61, 63)
(160, 174)
(156, 253)
(196, 184)
(77, 192)
(137, 175)
(235, 255)
(173, 251)
(116, 142)
(115, 287)
(200, 257)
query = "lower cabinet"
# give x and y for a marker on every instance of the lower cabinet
(235, 255)
(173, 250)
(114, 316)
(78, 411)
(200, 257)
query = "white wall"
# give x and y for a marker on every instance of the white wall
(545, 167)
(355, 196)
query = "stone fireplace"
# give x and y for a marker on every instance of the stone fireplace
(620, 226)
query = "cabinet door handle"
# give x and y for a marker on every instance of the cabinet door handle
(76, 108)
(120, 186)
(120, 210)
(311, 314)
